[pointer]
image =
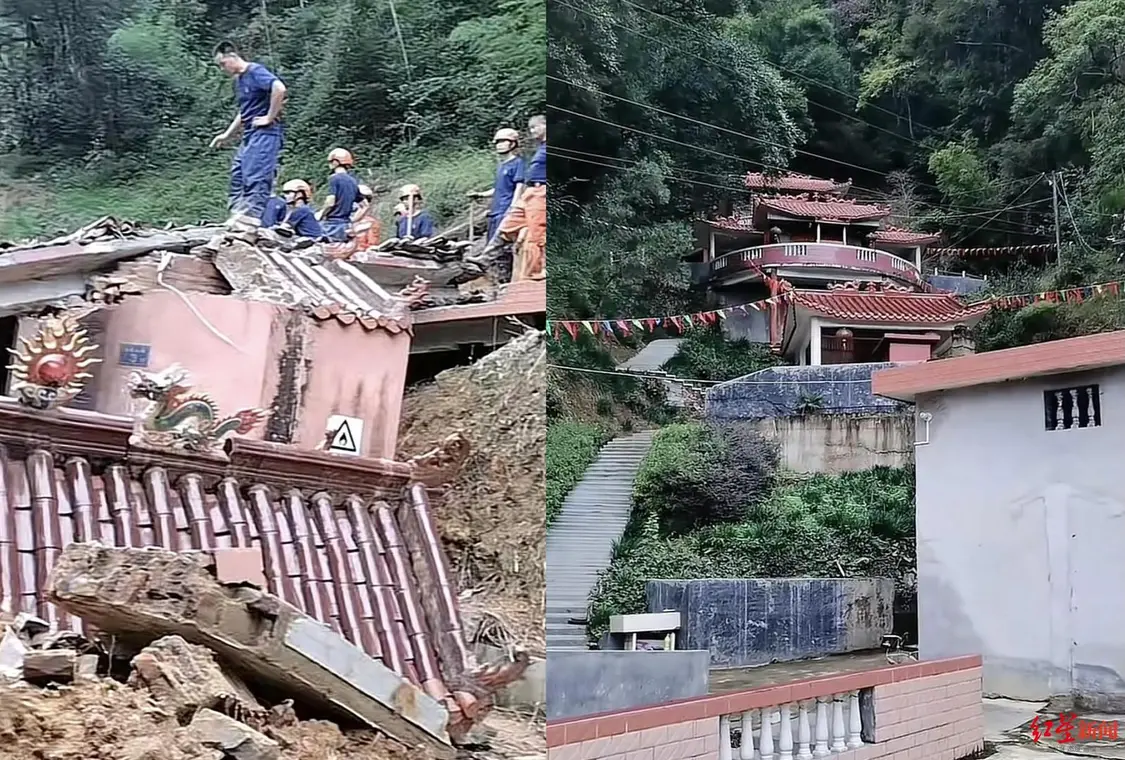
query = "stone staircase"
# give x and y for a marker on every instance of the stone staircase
(580, 541)
(651, 360)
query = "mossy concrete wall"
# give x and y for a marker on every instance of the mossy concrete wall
(841, 442)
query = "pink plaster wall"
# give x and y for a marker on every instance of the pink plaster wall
(358, 374)
(908, 353)
(235, 379)
(351, 371)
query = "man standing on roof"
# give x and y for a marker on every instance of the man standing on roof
(509, 178)
(261, 96)
(301, 218)
(343, 194)
(416, 221)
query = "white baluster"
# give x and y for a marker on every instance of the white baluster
(804, 736)
(785, 734)
(765, 738)
(1074, 407)
(746, 746)
(1060, 423)
(855, 722)
(724, 738)
(822, 727)
(838, 742)
(1090, 404)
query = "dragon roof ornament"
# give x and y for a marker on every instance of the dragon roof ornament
(50, 369)
(174, 416)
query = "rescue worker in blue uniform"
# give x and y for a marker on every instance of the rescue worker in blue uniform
(416, 222)
(261, 96)
(509, 178)
(301, 218)
(343, 195)
(275, 212)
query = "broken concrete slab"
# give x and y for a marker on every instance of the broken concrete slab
(86, 667)
(235, 740)
(140, 595)
(43, 666)
(185, 678)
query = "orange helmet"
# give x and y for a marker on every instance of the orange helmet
(298, 186)
(341, 156)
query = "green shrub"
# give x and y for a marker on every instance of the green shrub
(571, 447)
(705, 354)
(699, 474)
(854, 524)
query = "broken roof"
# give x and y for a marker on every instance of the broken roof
(793, 182)
(347, 540)
(377, 289)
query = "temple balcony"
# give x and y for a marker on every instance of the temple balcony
(813, 261)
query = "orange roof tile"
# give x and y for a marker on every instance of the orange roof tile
(1052, 358)
(842, 210)
(884, 307)
(801, 183)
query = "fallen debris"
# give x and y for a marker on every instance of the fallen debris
(491, 518)
(139, 595)
(44, 666)
(233, 739)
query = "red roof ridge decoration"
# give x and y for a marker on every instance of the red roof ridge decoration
(889, 233)
(794, 181)
(887, 305)
(820, 207)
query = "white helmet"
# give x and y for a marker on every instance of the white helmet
(507, 134)
(298, 186)
(366, 192)
(409, 191)
(341, 156)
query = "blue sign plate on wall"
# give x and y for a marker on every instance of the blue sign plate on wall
(134, 355)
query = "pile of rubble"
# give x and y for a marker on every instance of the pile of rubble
(180, 658)
(491, 518)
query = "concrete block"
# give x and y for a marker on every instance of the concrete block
(583, 683)
(235, 740)
(756, 621)
(140, 595)
(240, 567)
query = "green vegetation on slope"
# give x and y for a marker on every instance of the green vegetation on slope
(571, 448)
(776, 525)
(108, 106)
(705, 355)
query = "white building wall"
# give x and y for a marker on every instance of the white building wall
(1021, 539)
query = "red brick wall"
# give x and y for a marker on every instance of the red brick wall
(923, 711)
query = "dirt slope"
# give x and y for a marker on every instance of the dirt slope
(492, 519)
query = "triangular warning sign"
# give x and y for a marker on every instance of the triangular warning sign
(343, 440)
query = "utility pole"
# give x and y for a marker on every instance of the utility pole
(1055, 204)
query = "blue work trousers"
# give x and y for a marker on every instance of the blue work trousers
(254, 171)
(336, 230)
(494, 222)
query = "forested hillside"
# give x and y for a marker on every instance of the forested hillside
(959, 113)
(108, 106)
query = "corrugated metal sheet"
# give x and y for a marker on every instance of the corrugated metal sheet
(350, 564)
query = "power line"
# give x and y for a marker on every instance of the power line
(755, 162)
(801, 76)
(1070, 214)
(690, 381)
(998, 213)
(742, 188)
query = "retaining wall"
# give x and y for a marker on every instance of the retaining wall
(754, 621)
(919, 711)
(581, 683)
(841, 442)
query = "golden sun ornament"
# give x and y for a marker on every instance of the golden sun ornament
(50, 369)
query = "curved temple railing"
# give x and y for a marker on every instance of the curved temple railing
(813, 254)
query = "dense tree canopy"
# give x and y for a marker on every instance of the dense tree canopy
(959, 113)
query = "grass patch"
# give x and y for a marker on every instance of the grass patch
(197, 191)
(571, 448)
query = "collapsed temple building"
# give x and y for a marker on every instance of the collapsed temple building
(201, 389)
